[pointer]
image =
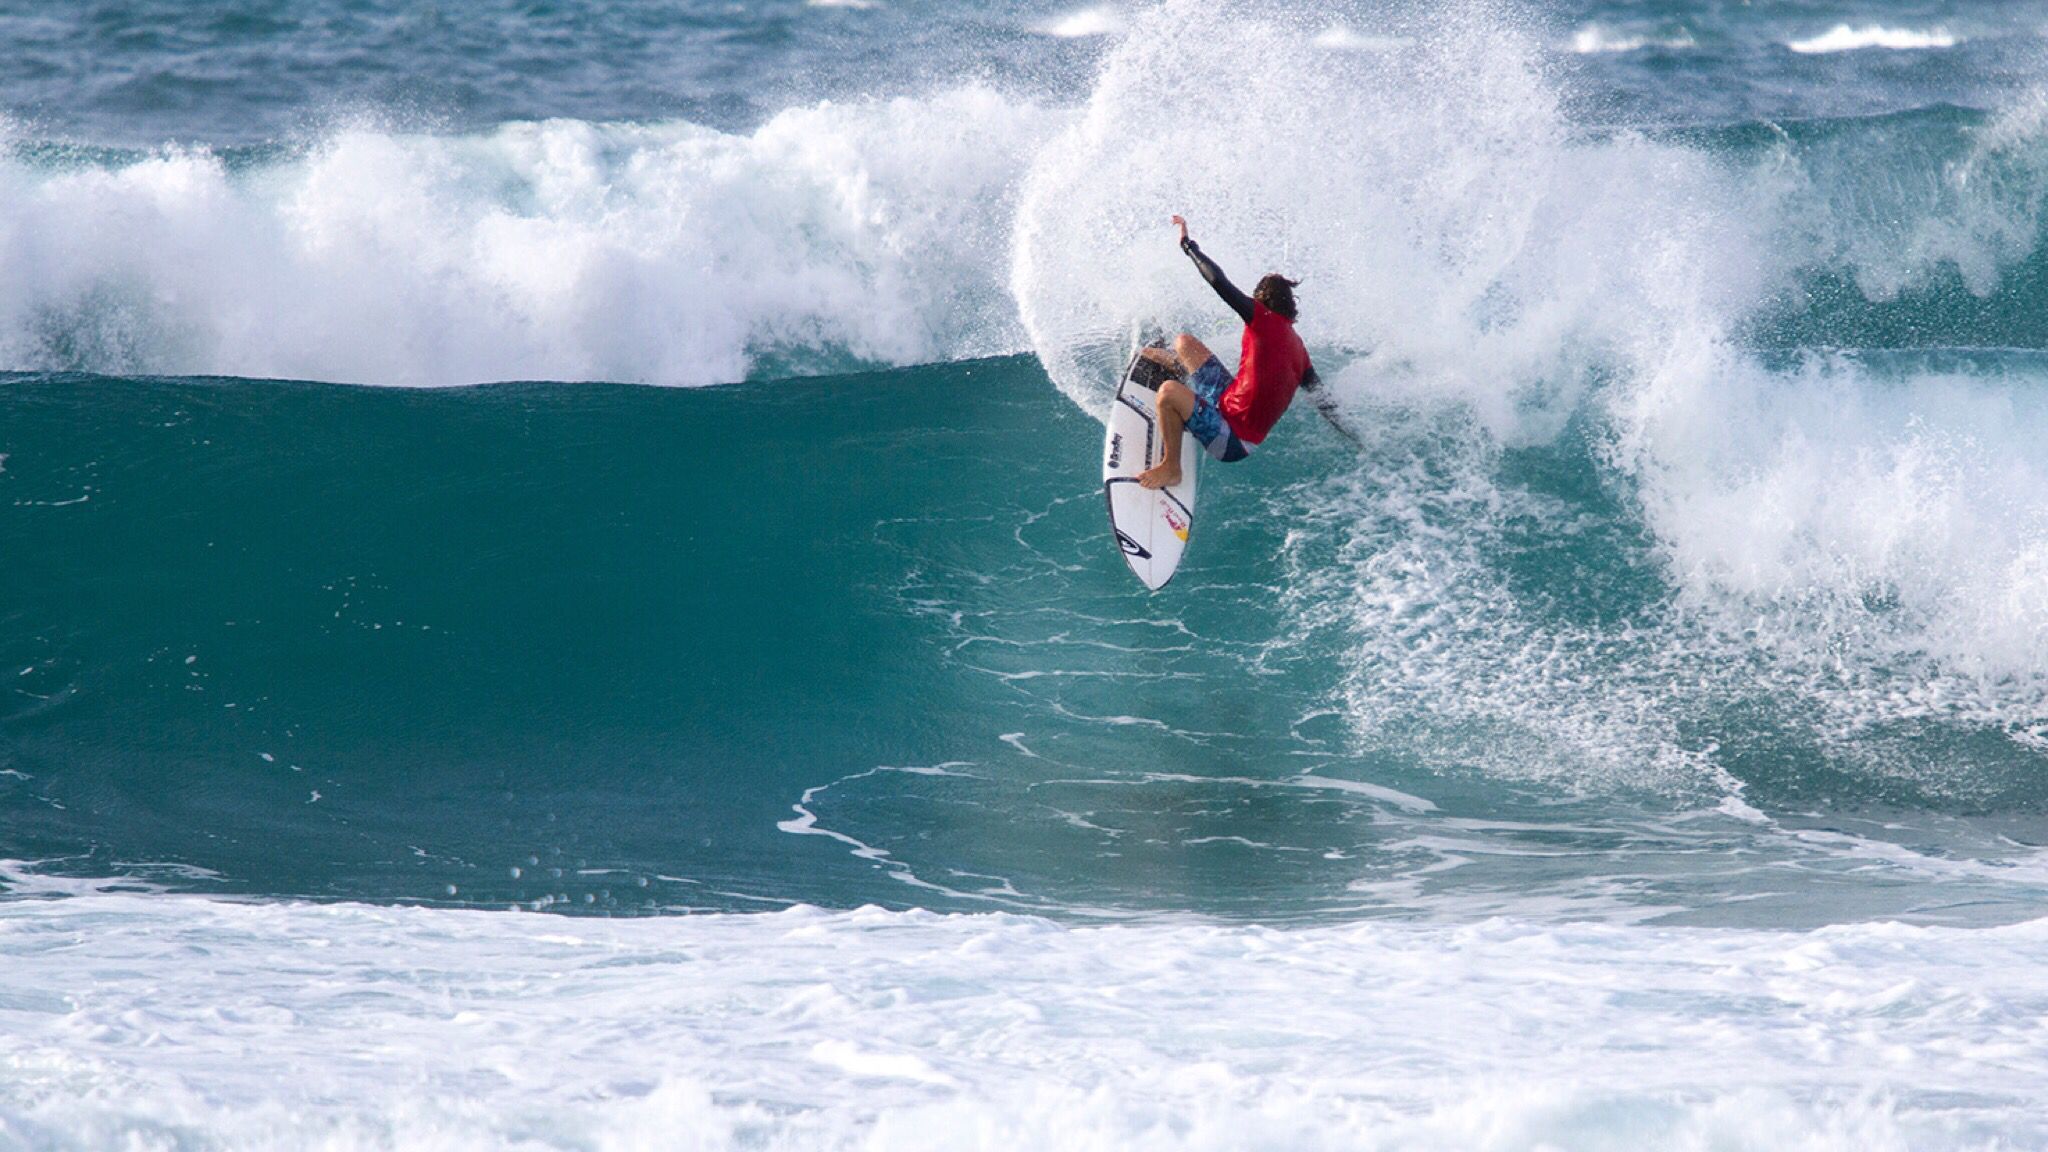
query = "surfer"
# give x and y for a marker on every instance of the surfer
(1228, 416)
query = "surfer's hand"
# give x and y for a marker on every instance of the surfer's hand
(1181, 224)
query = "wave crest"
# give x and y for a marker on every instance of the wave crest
(1845, 38)
(567, 250)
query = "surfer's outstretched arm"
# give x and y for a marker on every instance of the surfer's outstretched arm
(1238, 301)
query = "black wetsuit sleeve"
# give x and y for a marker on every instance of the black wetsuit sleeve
(1238, 301)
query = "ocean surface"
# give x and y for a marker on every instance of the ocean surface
(553, 590)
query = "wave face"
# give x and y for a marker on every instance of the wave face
(645, 650)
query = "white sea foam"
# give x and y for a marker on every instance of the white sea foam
(1853, 554)
(1874, 527)
(159, 1020)
(1844, 38)
(559, 250)
(1905, 520)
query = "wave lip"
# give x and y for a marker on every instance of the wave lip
(1844, 38)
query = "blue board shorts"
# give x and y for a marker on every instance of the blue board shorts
(1207, 425)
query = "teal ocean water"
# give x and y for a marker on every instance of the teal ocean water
(552, 580)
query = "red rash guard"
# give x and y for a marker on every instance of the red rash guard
(1269, 368)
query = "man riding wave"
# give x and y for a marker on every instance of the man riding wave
(1227, 415)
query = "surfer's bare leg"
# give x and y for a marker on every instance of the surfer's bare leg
(1176, 404)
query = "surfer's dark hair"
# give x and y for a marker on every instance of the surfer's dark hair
(1276, 292)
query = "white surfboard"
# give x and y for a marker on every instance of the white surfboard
(1151, 524)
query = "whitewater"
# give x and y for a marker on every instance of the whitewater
(551, 593)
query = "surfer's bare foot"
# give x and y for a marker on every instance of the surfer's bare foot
(1159, 476)
(1162, 357)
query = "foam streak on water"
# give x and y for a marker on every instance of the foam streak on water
(1843, 38)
